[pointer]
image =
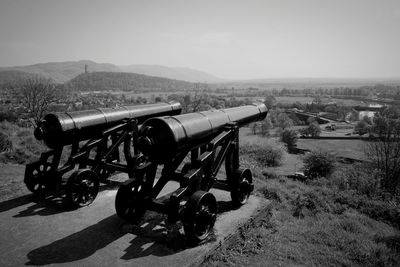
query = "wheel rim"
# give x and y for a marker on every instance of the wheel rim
(241, 187)
(204, 221)
(35, 182)
(201, 216)
(126, 202)
(83, 188)
(244, 191)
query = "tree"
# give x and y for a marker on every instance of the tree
(283, 121)
(317, 100)
(254, 127)
(384, 152)
(289, 138)
(318, 164)
(361, 127)
(266, 126)
(269, 102)
(37, 94)
(312, 130)
(5, 143)
(310, 120)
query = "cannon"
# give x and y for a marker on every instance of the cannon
(191, 148)
(93, 141)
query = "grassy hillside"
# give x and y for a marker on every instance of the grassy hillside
(101, 81)
(61, 72)
(339, 220)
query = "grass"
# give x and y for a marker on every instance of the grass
(12, 177)
(328, 221)
(345, 148)
(25, 147)
(299, 228)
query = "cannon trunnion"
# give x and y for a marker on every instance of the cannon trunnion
(93, 139)
(191, 148)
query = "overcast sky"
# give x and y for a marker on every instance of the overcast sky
(230, 39)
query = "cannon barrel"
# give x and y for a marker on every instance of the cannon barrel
(163, 137)
(61, 129)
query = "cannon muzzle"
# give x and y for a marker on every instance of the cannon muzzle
(162, 138)
(61, 129)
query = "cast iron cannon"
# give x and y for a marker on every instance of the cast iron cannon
(93, 139)
(191, 148)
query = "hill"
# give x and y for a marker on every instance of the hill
(61, 72)
(184, 74)
(11, 76)
(102, 81)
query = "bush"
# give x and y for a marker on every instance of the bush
(19, 143)
(361, 127)
(289, 138)
(359, 177)
(318, 164)
(313, 130)
(377, 209)
(5, 143)
(31, 145)
(6, 115)
(16, 156)
(263, 152)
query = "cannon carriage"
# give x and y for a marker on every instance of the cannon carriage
(98, 142)
(190, 149)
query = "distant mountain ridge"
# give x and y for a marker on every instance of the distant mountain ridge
(184, 74)
(124, 81)
(62, 72)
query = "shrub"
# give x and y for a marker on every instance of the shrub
(263, 152)
(361, 127)
(313, 130)
(318, 164)
(31, 145)
(5, 143)
(266, 126)
(309, 203)
(24, 133)
(16, 156)
(6, 115)
(359, 177)
(289, 138)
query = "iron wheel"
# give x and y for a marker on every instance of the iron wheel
(82, 188)
(201, 213)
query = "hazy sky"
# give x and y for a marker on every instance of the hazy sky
(230, 39)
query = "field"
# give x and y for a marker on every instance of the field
(345, 148)
(308, 100)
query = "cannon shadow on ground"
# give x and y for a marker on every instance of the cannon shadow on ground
(153, 236)
(44, 206)
(16, 202)
(49, 204)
